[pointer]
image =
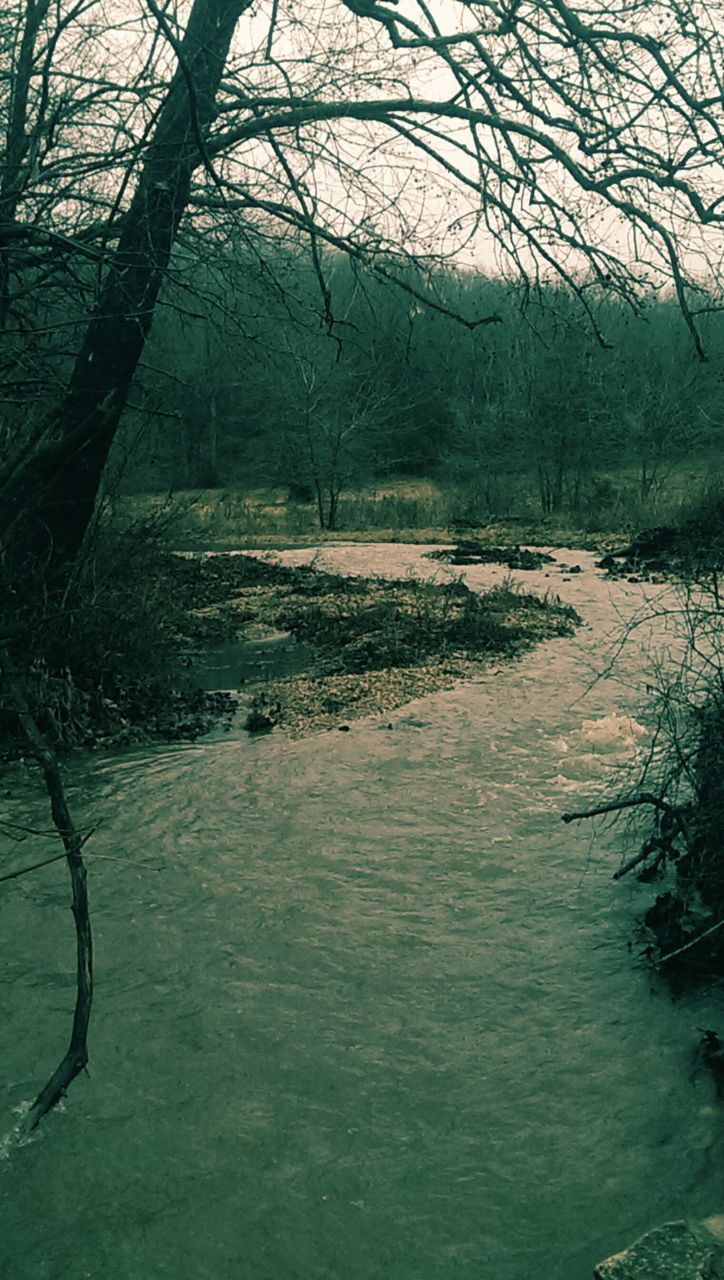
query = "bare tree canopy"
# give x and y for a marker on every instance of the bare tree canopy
(579, 141)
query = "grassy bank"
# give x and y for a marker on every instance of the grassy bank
(608, 509)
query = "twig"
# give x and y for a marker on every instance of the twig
(688, 945)
(76, 1055)
(646, 797)
(643, 798)
(23, 871)
(8, 828)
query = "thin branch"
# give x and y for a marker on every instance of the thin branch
(76, 1055)
(646, 797)
(24, 871)
(694, 941)
(58, 857)
(632, 862)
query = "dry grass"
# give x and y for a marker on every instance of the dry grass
(423, 510)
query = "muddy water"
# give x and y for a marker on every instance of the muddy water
(240, 663)
(365, 1007)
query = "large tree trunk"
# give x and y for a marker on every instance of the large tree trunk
(49, 501)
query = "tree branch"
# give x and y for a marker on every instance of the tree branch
(75, 1058)
(645, 798)
(694, 941)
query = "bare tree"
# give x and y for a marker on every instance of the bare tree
(331, 413)
(584, 141)
(75, 1058)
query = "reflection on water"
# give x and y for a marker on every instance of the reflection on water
(365, 1006)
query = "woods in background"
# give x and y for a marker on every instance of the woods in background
(252, 389)
(255, 181)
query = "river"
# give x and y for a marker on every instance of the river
(365, 1007)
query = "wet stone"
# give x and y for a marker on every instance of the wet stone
(675, 1251)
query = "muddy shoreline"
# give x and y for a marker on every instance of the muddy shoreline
(371, 645)
(368, 645)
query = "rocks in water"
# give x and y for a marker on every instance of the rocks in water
(610, 562)
(675, 1251)
(263, 716)
(257, 722)
(608, 735)
(660, 541)
(665, 918)
(474, 552)
(653, 550)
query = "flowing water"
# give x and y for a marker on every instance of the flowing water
(365, 1007)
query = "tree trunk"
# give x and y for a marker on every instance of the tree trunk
(58, 486)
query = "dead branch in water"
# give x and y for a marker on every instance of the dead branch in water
(643, 856)
(692, 943)
(644, 798)
(76, 1055)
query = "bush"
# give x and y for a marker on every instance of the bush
(682, 785)
(112, 663)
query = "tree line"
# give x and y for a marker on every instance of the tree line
(254, 387)
(577, 148)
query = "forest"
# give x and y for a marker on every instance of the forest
(601, 417)
(543, 410)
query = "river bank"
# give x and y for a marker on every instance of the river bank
(606, 511)
(680, 785)
(126, 666)
(373, 644)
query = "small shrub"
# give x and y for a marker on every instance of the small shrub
(112, 663)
